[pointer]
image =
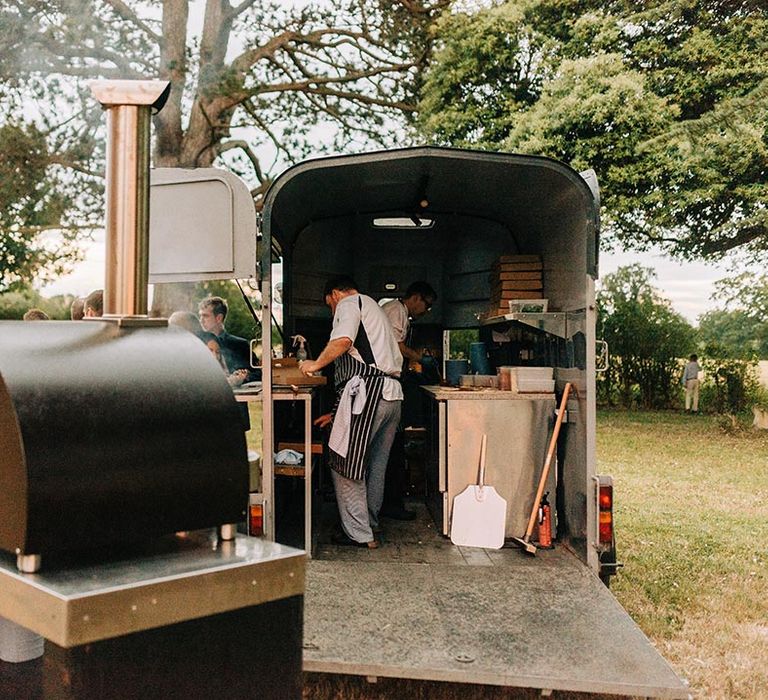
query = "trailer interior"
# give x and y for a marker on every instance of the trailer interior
(420, 607)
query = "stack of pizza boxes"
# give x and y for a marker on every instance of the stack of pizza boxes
(515, 278)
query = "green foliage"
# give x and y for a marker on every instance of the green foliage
(733, 334)
(460, 342)
(740, 330)
(731, 386)
(645, 336)
(665, 100)
(760, 397)
(33, 200)
(488, 69)
(596, 114)
(13, 305)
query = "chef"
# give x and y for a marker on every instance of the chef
(417, 301)
(367, 365)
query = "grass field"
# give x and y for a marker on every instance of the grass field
(692, 530)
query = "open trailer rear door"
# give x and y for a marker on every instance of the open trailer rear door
(202, 226)
(545, 622)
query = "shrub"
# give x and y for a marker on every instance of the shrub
(730, 386)
(645, 336)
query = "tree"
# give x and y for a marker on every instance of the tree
(248, 79)
(489, 67)
(31, 203)
(740, 330)
(13, 305)
(665, 99)
(646, 338)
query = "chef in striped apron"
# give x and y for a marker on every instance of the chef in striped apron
(367, 365)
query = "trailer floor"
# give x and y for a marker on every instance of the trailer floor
(421, 608)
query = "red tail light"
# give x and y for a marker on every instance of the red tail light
(605, 502)
(256, 520)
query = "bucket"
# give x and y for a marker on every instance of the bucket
(454, 369)
(478, 358)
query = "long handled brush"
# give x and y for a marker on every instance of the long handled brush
(525, 541)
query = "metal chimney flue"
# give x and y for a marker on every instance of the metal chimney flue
(129, 105)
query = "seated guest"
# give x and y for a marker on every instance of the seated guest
(93, 306)
(35, 315)
(235, 378)
(77, 310)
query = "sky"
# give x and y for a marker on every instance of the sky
(687, 285)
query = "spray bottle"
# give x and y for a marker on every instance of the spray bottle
(301, 352)
(545, 523)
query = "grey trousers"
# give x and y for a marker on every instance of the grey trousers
(360, 501)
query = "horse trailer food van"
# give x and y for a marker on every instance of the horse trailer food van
(429, 610)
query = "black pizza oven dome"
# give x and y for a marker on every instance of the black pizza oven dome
(113, 434)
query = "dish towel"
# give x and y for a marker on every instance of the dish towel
(352, 401)
(288, 457)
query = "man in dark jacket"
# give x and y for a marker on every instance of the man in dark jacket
(235, 350)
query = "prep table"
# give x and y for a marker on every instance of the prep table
(518, 428)
(305, 394)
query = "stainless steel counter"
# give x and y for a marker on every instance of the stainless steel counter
(517, 427)
(179, 578)
(445, 393)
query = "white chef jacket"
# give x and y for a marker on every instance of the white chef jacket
(386, 353)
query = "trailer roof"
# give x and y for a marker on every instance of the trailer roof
(528, 194)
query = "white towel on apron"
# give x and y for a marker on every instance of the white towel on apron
(352, 401)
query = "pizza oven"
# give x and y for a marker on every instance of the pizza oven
(117, 429)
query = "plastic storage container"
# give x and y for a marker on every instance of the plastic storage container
(534, 380)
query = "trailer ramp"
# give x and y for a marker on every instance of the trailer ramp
(425, 609)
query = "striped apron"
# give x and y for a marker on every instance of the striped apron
(344, 368)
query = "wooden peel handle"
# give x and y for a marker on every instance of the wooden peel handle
(548, 460)
(482, 460)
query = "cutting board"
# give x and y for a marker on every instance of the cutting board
(286, 372)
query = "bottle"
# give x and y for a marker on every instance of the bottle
(545, 523)
(301, 352)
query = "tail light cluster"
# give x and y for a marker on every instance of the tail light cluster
(605, 515)
(256, 515)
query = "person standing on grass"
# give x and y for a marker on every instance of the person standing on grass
(691, 384)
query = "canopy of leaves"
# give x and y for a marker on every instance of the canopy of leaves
(740, 330)
(490, 66)
(28, 195)
(665, 99)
